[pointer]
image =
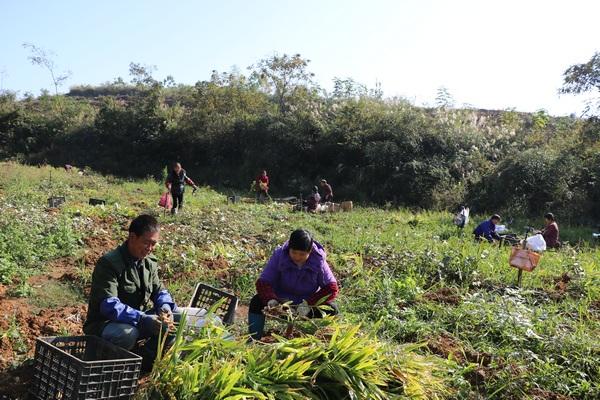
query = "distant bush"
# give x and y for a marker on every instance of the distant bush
(103, 90)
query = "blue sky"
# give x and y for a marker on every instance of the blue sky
(489, 54)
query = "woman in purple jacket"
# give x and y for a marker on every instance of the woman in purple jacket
(296, 272)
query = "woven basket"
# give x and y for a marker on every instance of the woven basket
(524, 259)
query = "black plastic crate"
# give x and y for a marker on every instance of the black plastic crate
(97, 202)
(55, 201)
(83, 367)
(206, 296)
(234, 199)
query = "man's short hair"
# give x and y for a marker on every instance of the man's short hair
(549, 216)
(323, 181)
(496, 216)
(144, 223)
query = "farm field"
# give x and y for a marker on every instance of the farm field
(425, 311)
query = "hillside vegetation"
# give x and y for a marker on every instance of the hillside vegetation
(372, 149)
(439, 315)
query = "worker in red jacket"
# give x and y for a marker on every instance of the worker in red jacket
(262, 187)
(550, 232)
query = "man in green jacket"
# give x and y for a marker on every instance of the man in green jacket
(124, 282)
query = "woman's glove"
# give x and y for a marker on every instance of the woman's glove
(272, 303)
(303, 309)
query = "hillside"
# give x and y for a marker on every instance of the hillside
(372, 149)
(441, 309)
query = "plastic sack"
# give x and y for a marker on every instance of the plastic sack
(536, 243)
(195, 317)
(462, 218)
(500, 228)
(165, 201)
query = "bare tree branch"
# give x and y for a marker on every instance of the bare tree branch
(43, 58)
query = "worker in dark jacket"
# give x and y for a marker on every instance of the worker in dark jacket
(550, 232)
(297, 272)
(327, 191)
(487, 229)
(176, 181)
(124, 282)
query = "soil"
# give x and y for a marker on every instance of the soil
(561, 286)
(140, 204)
(56, 271)
(446, 346)
(446, 295)
(31, 322)
(96, 246)
(478, 376)
(268, 339)
(241, 313)
(221, 266)
(540, 394)
(562, 282)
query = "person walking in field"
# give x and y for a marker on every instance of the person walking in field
(487, 229)
(550, 232)
(297, 272)
(175, 183)
(327, 191)
(124, 282)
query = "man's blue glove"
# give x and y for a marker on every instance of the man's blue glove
(151, 324)
(165, 309)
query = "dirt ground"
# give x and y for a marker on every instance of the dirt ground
(540, 394)
(446, 295)
(448, 347)
(22, 321)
